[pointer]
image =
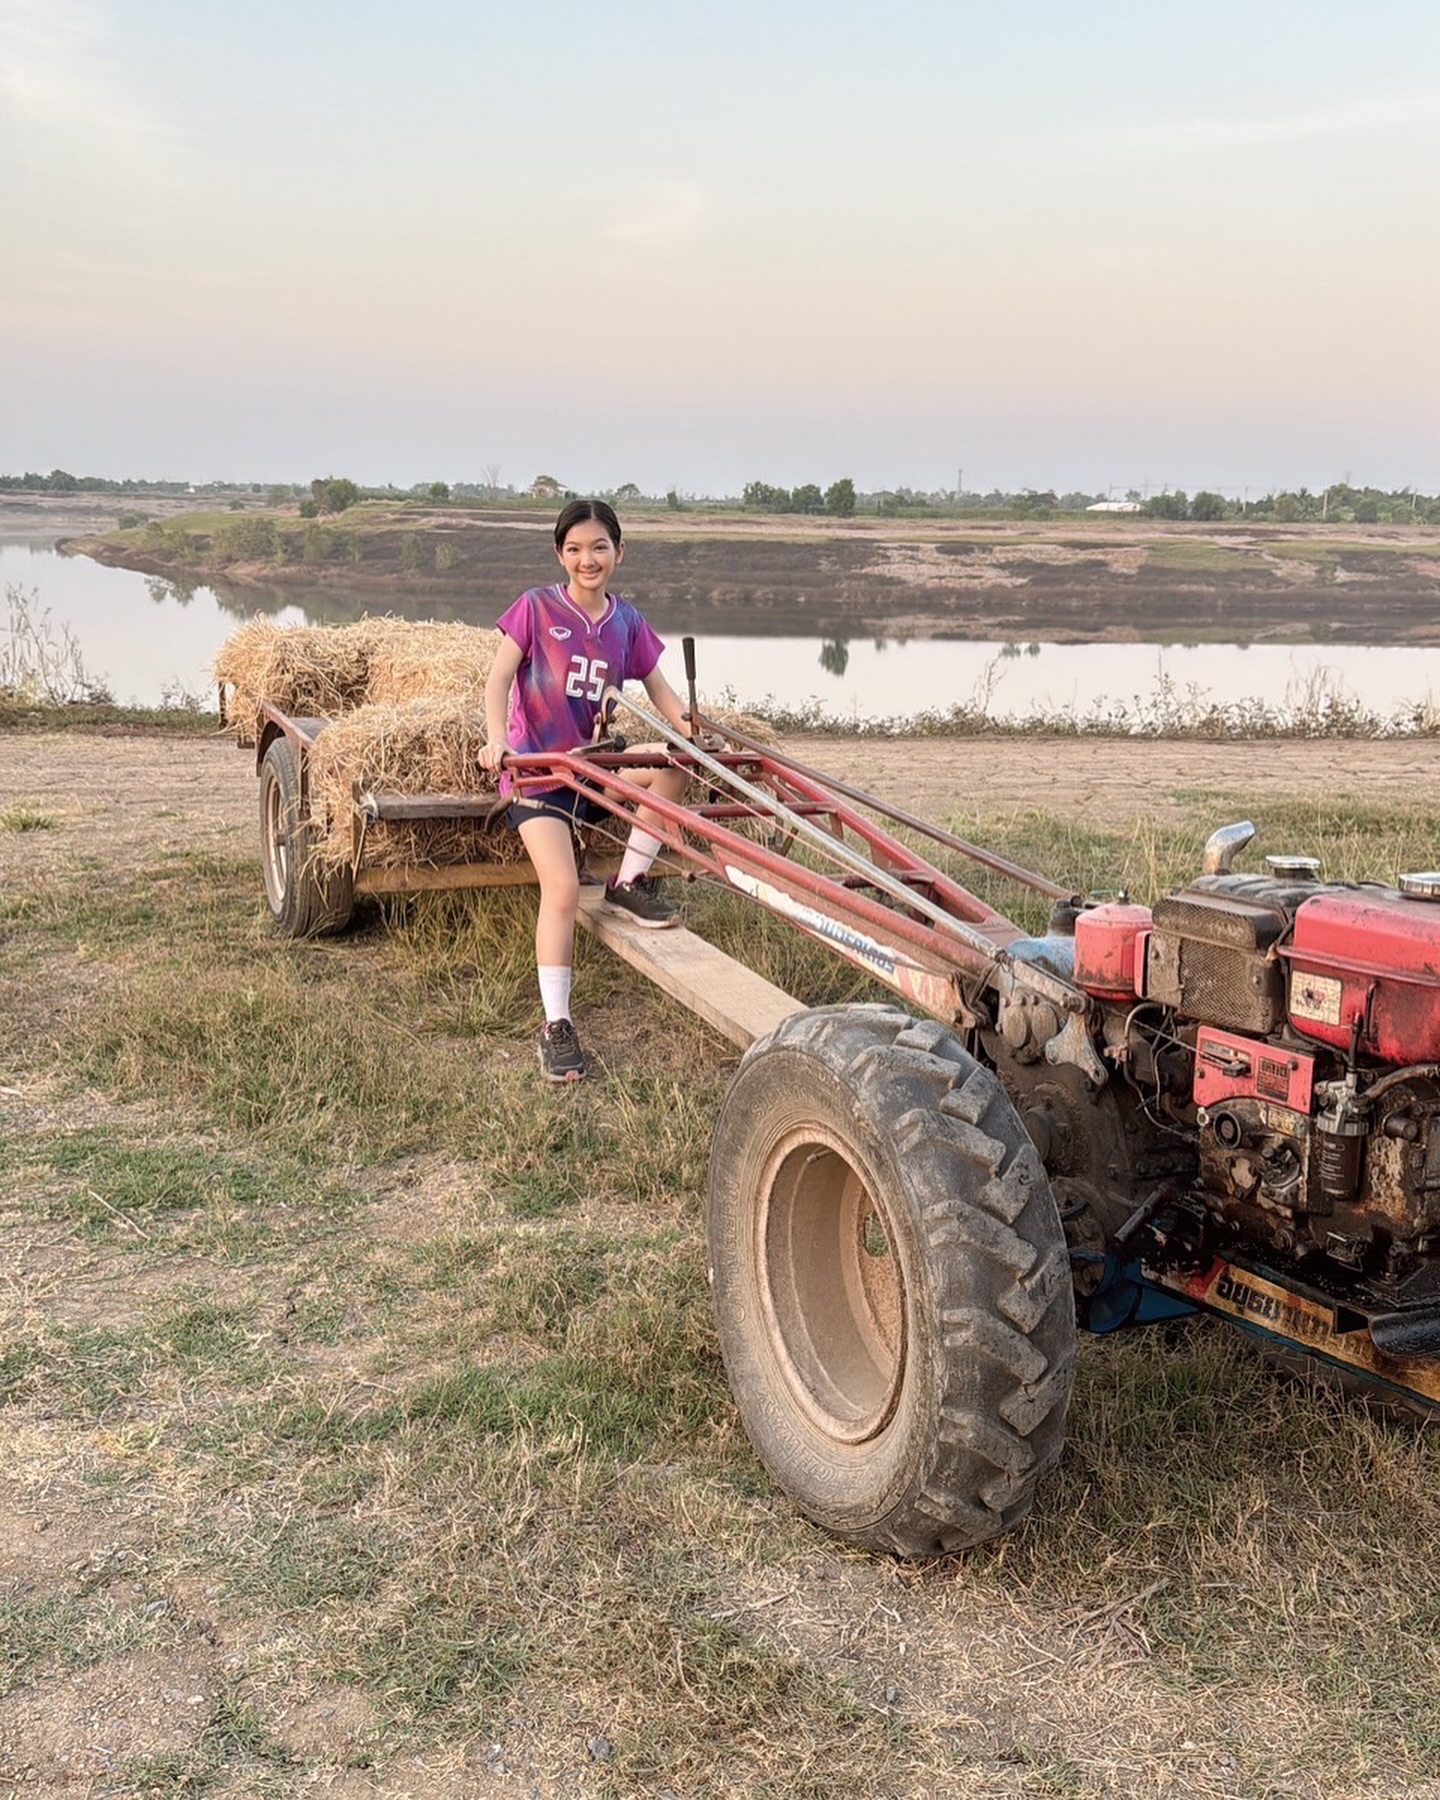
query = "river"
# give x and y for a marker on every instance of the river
(148, 643)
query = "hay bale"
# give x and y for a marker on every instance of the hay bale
(422, 747)
(308, 671)
(431, 661)
(323, 671)
(758, 729)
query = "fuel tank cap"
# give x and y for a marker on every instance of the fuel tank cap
(1294, 868)
(1424, 886)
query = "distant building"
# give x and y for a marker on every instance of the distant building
(1115, 506)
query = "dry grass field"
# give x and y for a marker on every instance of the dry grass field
(363, 1426)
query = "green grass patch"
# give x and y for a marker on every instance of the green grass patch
(20, 817)
(1201, 556)
(1356, 841)
(1191, 1471)
(74, 1629)
(128, 1191)
(121, 721)
(302, 1563)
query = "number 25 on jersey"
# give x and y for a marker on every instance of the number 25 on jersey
(586, 679)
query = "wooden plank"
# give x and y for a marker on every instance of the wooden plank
(740, 1004)
(412, 878)
(431, 806)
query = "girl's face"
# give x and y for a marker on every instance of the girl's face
(589, 559)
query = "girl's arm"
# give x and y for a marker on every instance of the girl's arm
(666, 701)
(497, 701)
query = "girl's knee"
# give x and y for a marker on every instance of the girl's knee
(560, 892)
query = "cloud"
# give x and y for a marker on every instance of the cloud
(662, 213)
(62, 88)
(1348, 118)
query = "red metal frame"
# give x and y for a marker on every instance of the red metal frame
(931, 962)
(894, 914)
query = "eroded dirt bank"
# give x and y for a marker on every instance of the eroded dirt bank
(1063, 580)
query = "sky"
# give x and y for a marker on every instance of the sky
(1019, 243)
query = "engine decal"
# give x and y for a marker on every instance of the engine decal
(1229, 1066)
(1306, 1323)
(1316, 997)
(1284, 1122)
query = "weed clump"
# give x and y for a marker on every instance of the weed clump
(40, 662)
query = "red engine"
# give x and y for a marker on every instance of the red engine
(1365, 971)
(1294, 1028)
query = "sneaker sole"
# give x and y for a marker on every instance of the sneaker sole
(649, 924)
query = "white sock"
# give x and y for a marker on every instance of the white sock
(554, 991)
(640, 852)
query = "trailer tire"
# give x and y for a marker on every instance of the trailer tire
(890, 1280)
(306, 897)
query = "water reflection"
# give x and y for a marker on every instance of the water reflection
(146, 635)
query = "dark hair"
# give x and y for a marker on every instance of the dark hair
(578, 511)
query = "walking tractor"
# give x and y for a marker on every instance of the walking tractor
(1228, 1102)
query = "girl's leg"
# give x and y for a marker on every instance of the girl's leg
(643, 845)
(551, 849)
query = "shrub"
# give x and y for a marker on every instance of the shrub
(319, 544)
(252, 539)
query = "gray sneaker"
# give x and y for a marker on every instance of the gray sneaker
(641, 899)
(561, 1058)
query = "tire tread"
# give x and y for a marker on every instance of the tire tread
(989, 1232)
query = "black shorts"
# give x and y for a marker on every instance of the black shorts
(556, 803)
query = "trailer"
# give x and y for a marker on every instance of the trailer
(1227, 1102)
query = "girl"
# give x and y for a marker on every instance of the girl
(562, 646)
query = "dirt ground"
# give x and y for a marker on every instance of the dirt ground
(125, 798)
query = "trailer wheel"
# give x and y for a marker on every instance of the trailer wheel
(306, 897)
(890, 1280)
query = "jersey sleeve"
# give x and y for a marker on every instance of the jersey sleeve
(644, 652)
(518, 624)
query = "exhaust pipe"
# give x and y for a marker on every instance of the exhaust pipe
(1224, 845)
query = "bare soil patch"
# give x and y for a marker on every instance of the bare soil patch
(122, 800)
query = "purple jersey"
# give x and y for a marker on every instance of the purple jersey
(567, 661)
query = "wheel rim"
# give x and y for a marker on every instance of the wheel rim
(832, 1286)
(277, 845)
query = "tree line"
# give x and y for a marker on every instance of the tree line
(1340, 503)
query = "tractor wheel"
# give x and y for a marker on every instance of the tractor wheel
(890, 1279)
(307, 898)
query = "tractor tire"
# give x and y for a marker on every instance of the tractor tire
(890, 1280)
(306, 897)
